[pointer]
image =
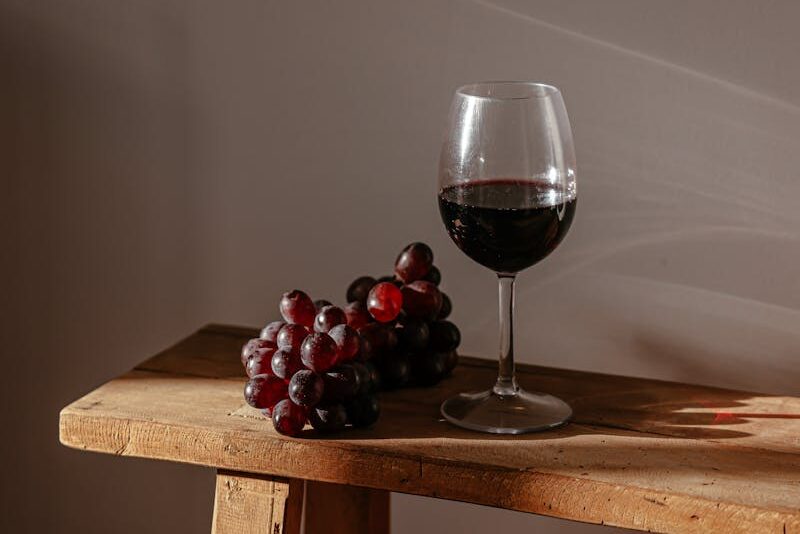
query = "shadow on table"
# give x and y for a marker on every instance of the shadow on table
(607, 405)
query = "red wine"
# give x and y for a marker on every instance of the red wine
(505, 224)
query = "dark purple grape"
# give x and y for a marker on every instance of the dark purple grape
(263, 391)
(260, 362)
(450, 361)
(298, 308)
(306, 388)
(347, 341)
(359, 289)
(365, 350)
(363, 378)
(434, 276)
(288, 418)
(252, 345)
(319, 352)
(422, 300)
(395, 370)
(328, 317)
(414, 262)
(413, 334)
(374, 378)
(447, 307)
(328, 417)
(291, 337)
(270, 332)
(391, 340)
(372, 337)
(445, 336)
(428, 368)
(321, 303)
(391, 279)
(357, 315)
(341, 383)
(381, 338)
(285, 364)
(363, 410)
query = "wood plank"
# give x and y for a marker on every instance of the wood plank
(643, 454)
(340, 509)
(253, 504)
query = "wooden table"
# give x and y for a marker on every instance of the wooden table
(642, 454)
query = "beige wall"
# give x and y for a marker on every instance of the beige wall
(166, 164)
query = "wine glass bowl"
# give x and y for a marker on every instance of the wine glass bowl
(507, 196)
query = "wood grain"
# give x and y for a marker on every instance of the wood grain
(253, 504)
(641, 454)
(339, 509)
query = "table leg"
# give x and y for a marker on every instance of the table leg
(339, 509)
(254, 504)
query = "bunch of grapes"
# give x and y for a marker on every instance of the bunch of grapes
(402, 321)
(323, 364)
(310, 368)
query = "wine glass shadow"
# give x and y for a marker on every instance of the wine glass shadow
(603, 405)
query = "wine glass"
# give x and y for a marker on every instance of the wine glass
(507, 196)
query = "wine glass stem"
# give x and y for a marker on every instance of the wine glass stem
(506, 383)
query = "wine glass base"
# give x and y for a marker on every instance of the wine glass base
(524, 412)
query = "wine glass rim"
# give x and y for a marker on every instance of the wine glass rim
(533, 90)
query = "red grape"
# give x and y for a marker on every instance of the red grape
(288, 418)
(306, 387)
(263, 391)
(359, 289)
(267, 412)
(447, 307)
(252, 345)
(422, 300)
(290, 338)
(328, 317)
(260, 362)
(363, 411)
(357, 314)
(445, 336)
(285, 364)
(414, 262)
(347, 340)
(328, 417)
(384, 302)
(298, 308)
(341, 383)
(319, 352)
(270, 332)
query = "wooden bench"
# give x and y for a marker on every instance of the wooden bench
(641, 454)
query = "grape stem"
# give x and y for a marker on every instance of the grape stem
(506, 384)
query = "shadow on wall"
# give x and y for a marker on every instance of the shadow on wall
(686, 236)
(97, 216)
